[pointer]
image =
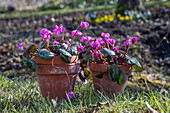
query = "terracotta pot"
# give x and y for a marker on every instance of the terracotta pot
(53, 81)
(105, 84)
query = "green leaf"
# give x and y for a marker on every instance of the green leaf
(31, 64)
(64, 52)
(113, 72)
(73, 49)
(134, 61)
(64, 46)
(65, 58)
(121, 77)
(87, 73)
(106, 51)
(44, 54)
(32, 48)
(137, 68)
(100, 76)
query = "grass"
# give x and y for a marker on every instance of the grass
(37, 13)
(22, 94)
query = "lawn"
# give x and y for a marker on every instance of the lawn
(22, 94)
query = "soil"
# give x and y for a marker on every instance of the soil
(153, 48)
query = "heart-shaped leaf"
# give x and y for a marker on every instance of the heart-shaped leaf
(87, 73)
(133, 60)
(65, 53)
(113, 72)
(64, 46)
(65, 58)
(32, 48)
(121, 77)
(73, 49)
(100, 76)
(44, 54)
(30, 64)
(137, 68)
(106, 51)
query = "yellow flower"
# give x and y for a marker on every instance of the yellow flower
(121, 18)
(126, 17)
(111, 19)
(105, 21)
(131, 17)
(101, 19)
(106, 17)
(118, 15)
(97, 20)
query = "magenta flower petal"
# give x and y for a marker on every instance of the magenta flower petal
(55, 42)
(116, 48)
(76, 33)
(100, 41)
(81, 48)
(56, 30)
(84, 24)
(20, 47)
(67, 42)
(45, 33)
(60, 27)
(70, 95)
(63, 30)
(112, 41)
(105, 35)
(129, 42)
(135, 38)
(86, 38)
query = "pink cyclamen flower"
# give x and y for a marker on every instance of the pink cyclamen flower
(61, 28)
(95, 53)
(70, 95)
(81, 48)
(20, 47)
(116, 48)
(76, 33)
(135, 38)
(112, 41)
(56, 30)
(100, 41)
(67, 42)
(45, 33)
(55, 43)
(95, 44)
(105, 35)
(84, 24)
(127, 42)
(86, 38)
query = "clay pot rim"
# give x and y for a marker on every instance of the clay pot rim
(110, 65)
(104, 67)
(39, 61)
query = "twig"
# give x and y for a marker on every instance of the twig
(150, 108)
(164, 38)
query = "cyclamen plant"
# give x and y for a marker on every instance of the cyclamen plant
(105, 52)
(50, 49)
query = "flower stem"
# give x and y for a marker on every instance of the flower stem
(72, 38)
